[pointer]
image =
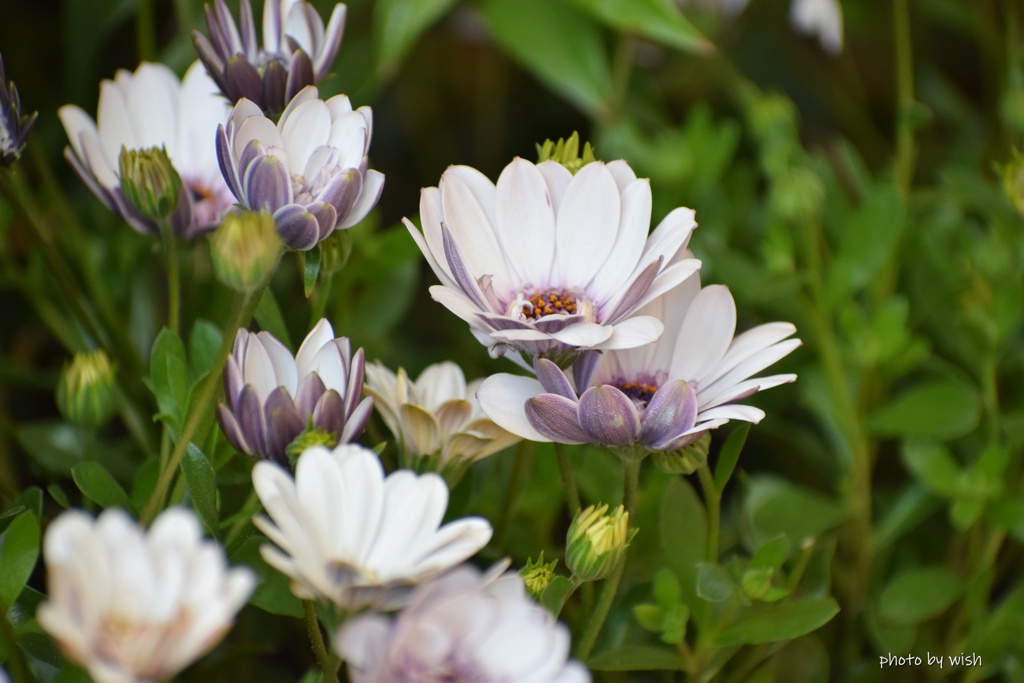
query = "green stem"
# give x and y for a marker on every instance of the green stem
(713, 500)
(520, 468)
(173, 278)
(240, 525)
(631, 477)
(145, 31)
(241, 314)
(316, 639)
(572, 493)
(622, 70)
(904, 96)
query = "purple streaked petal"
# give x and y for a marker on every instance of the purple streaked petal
(637, 288)
(555, 323)
(272, 26)
(501, 322)
(326, 218)
(672, 411)
(731, 412)
(502, 398)
(583, 368)
(233, 382)
(233, 433)
(242, 79)
(252, 151)
(356, 373)
(275, 84)
(342, 191)
(297, 227)
(329, 414)
(458, 268)
(311, 389)
(213, 62)
(332, 41)
(227, 166)
(555, 417)
(357, 420)
(283, 423)
(247, 30)
(267, 184)
(689, 437)
(249, 415)
(553, 379)
(609, 416)
(373, 185)
(300, 74)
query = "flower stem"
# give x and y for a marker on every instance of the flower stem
(905, 97)
(572, 494)
(316, 639)
(245, 306)
(173, 278)
(631, 478)
(520, 468)
(713, 500)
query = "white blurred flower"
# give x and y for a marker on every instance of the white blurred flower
(272, 396)
(346, 533)
(436, 415)
(550, 263)
(132, 606)
(463, 627)
(821, 18)
(146, 109)
(310, 169)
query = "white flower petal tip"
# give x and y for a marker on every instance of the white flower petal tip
(145, 109)
(130, 605)
(820, 18)
(546, 263)
(482, 626)
(345, 533)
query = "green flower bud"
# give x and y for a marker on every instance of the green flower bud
(245, 249)
(566, 152)
(311, 436)
(538, 576)
(597, 541)
(149, 181)
(85, 394)
(686, 460)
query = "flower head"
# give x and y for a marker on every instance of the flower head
(297, 51)
(660, 397)
(245, 249)
(437, 416)
(464, 627)
(346, 533)
(14, 126)
(133, 606)
(273, 397)
(550, 263)
(596, 542)
(310, 170)
(146, 109)
(85, 394)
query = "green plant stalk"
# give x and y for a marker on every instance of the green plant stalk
(241, 314)
(316, 639)
(904, 96)
(622, 70)
(173, 277)
(244, 521)
(631, 477)
(572, 493)
(520, 468)
(145, 32)
(713, 500)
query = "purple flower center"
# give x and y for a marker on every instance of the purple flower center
(641, 390)
(551, 302)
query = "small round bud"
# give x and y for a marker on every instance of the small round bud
(245, 249)
(149, 181)
(85, 393)
(685, 460)
(567, 152)
(596, 542)
(310, 437)
(538, 576)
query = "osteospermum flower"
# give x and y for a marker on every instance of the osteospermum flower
(134, 606)
(151, 108)
(820, 18)
(662, 396)
(14, 126)
(273, 397)
(436, 416)
(461, 628)
(550, 263)
(346, 533)
(310, 170)
(296, 52)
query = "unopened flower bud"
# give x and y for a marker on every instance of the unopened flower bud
(596, 542)
(567, 152)
(685, 460)
(85, 394)
(310, 437)
(245, 249)
(149, 181)
(14, 126)
(538, 576)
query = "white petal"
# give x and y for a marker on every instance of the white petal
(629, 242)
(321, 334)
(439, 383)
(308, 127)
(634, 332)
(558, 178)
(526, 222)
(705, 335)
(503, 398)
(588, 223)
(472, 227)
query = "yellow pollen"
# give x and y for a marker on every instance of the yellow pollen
(549, 303)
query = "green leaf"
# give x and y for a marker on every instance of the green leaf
(659, 20)
(636, 658)
(714, 583)
(268, 315)
(933, 465)
(31, 499)
(310, 269)
(61, 498)
(145, 481)
(557, 43)
(398, 23)
(772, 554)
(730, 455)
(272, 594)
(54, 445)
(99, 486)
(648, 616)
(918, 594)
(939, 409)
(683, 529)
(667, 590)
(775, 506)
(19, 550)
(673, 624)
(769, 623)
(203, 343)
(168, 375)
(913, 506)
(555, 594)
(1008, 514)
(202, 487)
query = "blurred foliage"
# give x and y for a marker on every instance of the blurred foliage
(879, 509)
